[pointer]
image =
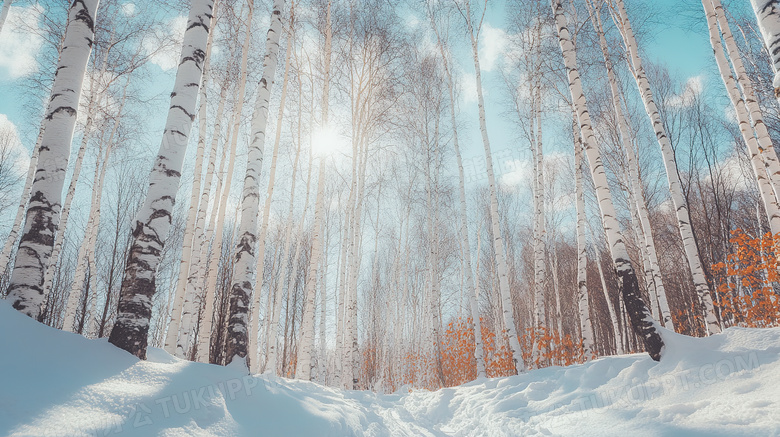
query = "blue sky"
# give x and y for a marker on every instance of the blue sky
(685, 50)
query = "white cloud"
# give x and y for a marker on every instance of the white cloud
(735, 173)
(128, 9)
(167, 58)
(493, 45)
(516, 174)
(519, 173)
(18, 46)
(468, 85)
(693, 87)
(412, 22)
(10, 144)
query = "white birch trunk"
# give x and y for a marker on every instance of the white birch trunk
(641, 318)
(743, 119)
(350, 374)
(303, 367)
(510, 331)
(92, 241)
(26, 286)
(673, 176)
(222, 191)
(341, 349)
(586, 327)
(274, 296)
(472, 291)
(768, 16)
(82, 264)
(245, 251)
(323, 352)
(320, 178)
(259, 268)
(639, 237)
(613, 318)
(153, 221)
(177, 340)
(539, 220)
(435, 263)
(58, 239)
(762, 133)
(657, 291)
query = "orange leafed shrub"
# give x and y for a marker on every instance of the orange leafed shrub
(458, 365)
(458, 362)
(458, 351)
(746, 294)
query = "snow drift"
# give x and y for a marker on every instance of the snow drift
(54, 383)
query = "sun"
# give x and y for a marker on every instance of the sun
(327, 142)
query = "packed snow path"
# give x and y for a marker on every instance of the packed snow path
(54, 383)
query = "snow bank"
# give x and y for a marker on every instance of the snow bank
(54, 383)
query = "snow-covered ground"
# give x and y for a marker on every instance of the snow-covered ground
(54, 383)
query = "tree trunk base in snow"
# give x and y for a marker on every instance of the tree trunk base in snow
(238, 323)
(641, 319)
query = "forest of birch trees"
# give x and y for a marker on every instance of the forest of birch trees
(325, 198)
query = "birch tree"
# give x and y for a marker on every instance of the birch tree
(26, 286)
(540, 271)
(751, 102)
(183, 305)
(510, 331)
(641, 319)
(304, 366)
(768, 16)
(219, 209)
(95, 94)
(657, 290)
(743, 119)
(670, 163)
(245, 251)
(255, 307)
(13, 235)
(586, 327)
(471, 288)
(154, 218)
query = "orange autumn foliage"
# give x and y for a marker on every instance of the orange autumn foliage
(457, 364)
(746, 294)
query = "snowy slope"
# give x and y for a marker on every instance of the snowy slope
(54, 383)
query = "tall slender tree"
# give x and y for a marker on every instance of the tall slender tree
(26, 286)
(743, 119)
(655, 280)
(471, 288)
(216, 229)
(586, 327)
(670, 163)
(641, 319)
(177, 340)
(246, 247)
(510, 330)
(153, 221)
(768, 16)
